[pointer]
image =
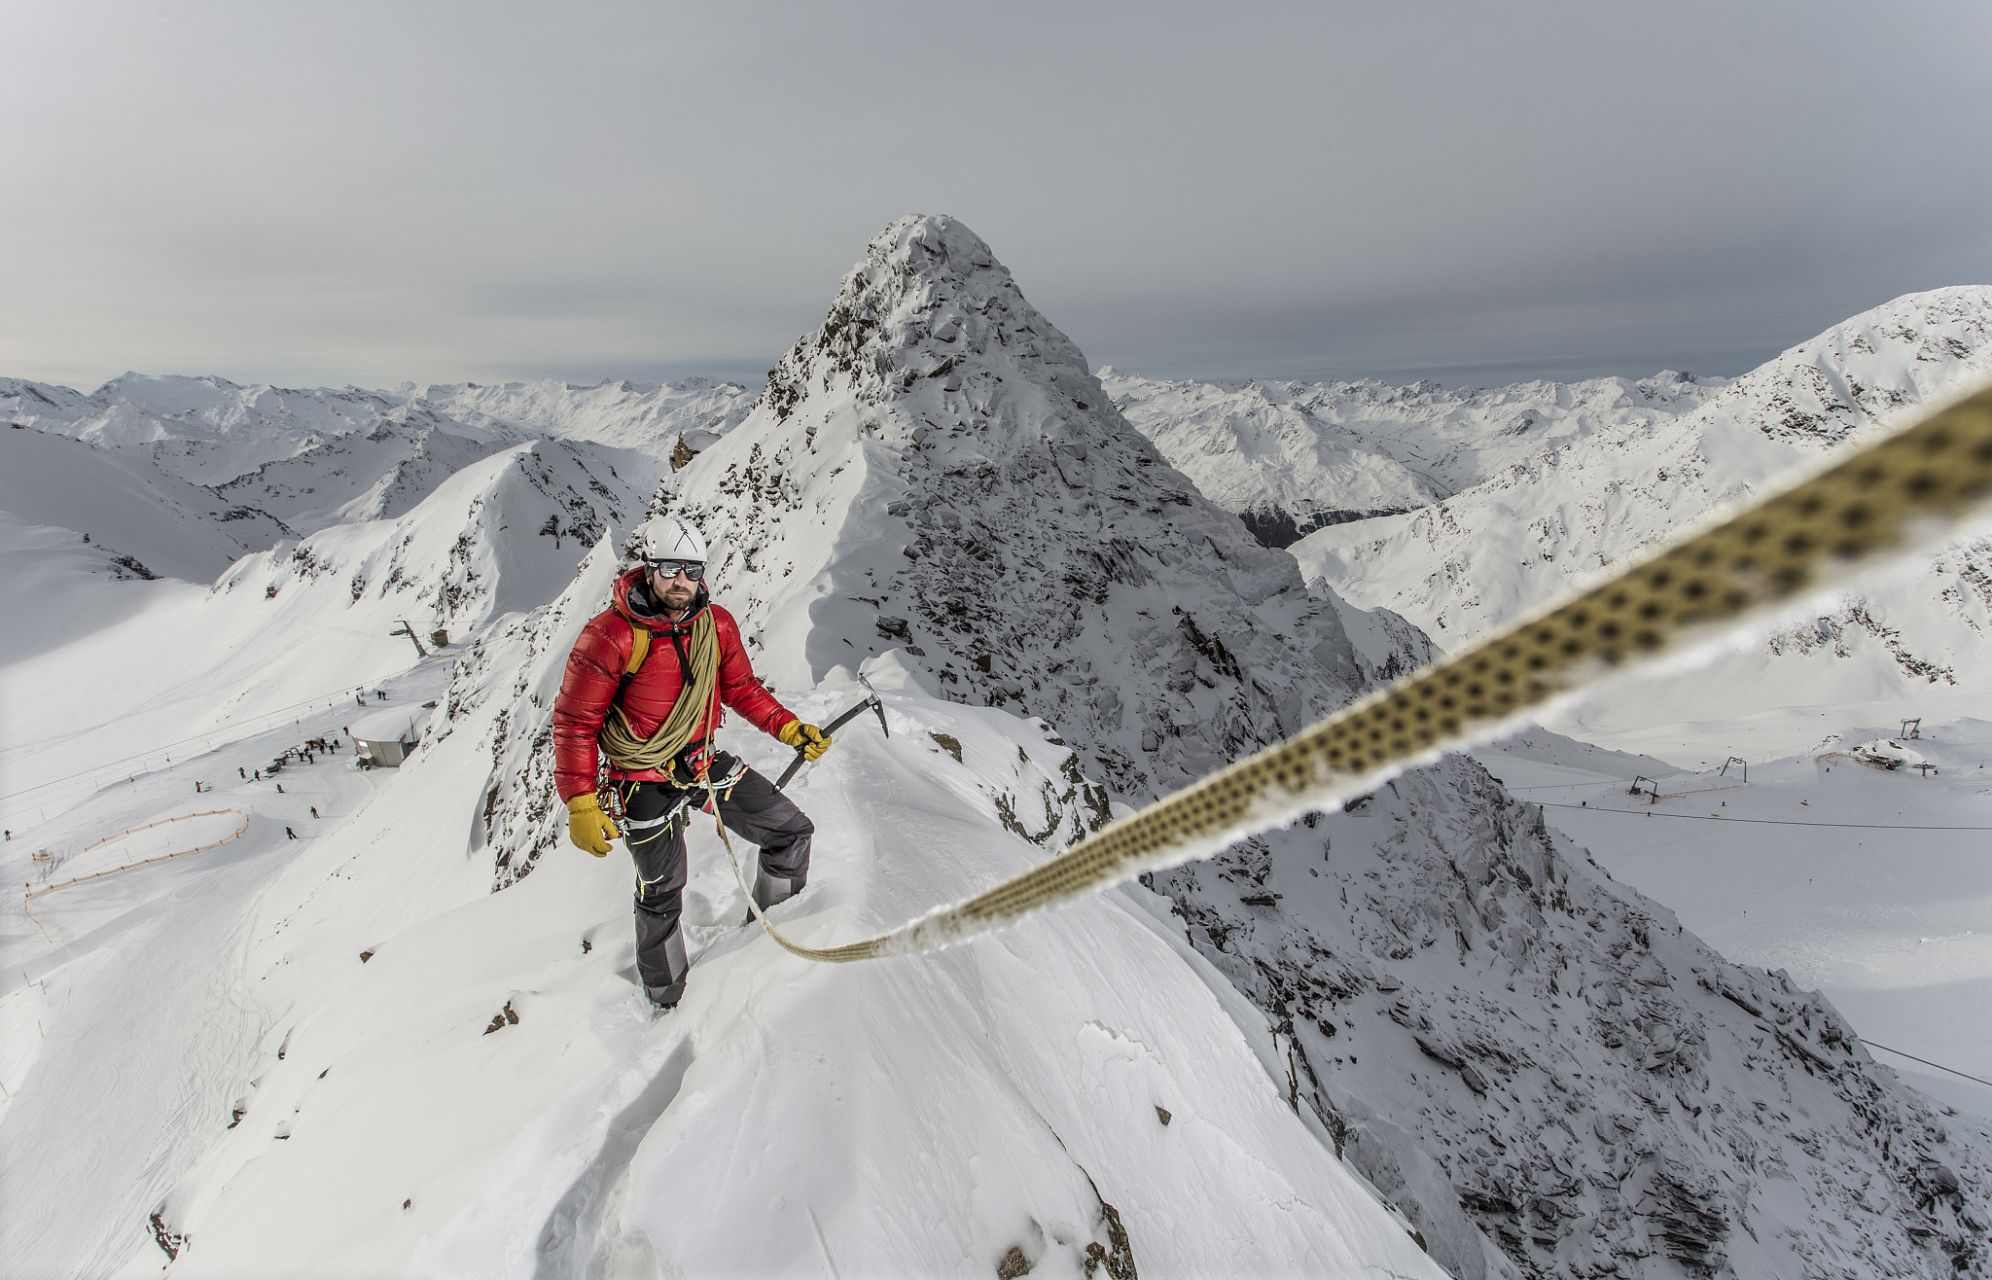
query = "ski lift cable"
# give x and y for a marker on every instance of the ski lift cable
(1773, 822)
(1861, 506)
(1925, 1061)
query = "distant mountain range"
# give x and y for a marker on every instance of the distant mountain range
(1291, 457)
(1501, 499)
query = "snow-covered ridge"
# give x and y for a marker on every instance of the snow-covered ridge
(623, 414)
(127, 507)
(1523, 534)
(1292, 457)
(1552, 519)
(1428, 855)
(241, 467)
(134, 409)
(497, 537)
(210, 430)
(484, 1096)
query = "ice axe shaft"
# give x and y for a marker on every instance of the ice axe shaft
(871, 703)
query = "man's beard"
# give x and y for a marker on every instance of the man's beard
(678, 596)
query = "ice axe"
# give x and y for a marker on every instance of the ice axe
(871, 701)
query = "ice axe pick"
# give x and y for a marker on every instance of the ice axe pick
(871, 702)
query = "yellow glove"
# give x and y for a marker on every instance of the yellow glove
(588, 827)
(813, 741)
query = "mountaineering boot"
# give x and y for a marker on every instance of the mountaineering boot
(769, 890)
(662, 962)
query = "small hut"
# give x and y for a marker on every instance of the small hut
(388, 736)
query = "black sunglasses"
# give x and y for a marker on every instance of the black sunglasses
(667, 569)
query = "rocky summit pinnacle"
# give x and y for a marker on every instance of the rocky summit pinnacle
(935, 469)
(928, 285)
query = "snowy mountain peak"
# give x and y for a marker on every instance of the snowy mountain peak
(934, 469)
(929, 296)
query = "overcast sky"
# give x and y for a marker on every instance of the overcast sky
(349, 192)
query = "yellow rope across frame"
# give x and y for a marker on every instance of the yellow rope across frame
(1896, 494)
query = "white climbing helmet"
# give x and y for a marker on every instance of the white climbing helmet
(668, 538)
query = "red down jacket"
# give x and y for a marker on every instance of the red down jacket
(595, 668)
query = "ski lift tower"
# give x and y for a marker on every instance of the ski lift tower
(1912, 728)
(409, 631)
(1735, 760)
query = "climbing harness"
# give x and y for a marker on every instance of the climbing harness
(638, 829)
(1892, 496)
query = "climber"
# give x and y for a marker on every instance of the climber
(653, 709)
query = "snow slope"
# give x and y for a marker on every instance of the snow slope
(126, 504)
(1504, 1038)
(498, 537)
(378, 473)
(621, 414)
(307, 1108)
(205, 430)
(1682, 1196)
(905, 1117)
(1533, 488)
(1528, 532)
(484, 1093)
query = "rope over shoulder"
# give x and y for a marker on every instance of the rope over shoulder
(618, 737)
(1893, 495)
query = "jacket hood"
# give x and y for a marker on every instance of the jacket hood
(633, 579)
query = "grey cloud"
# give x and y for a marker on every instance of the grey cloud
(435, 192)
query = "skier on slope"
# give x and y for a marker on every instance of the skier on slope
(656, 727)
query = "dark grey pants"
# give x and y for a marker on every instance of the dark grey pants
(752, 810)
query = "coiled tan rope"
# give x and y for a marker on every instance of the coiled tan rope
(1896, 494)
(618, 738)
